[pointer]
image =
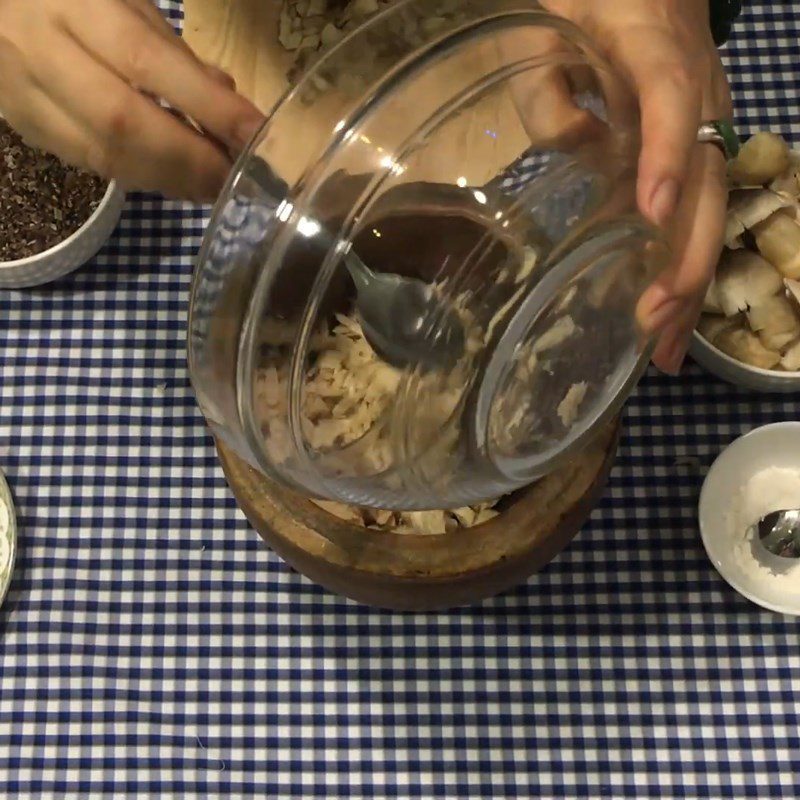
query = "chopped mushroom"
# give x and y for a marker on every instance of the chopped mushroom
(712, 325)
(759, 292)
(748, 207)
(778, 240)
(568, 407)
(788, 183)
(762, 158)
(793, 291)
(745, 346)
(775, 321)
(791, 358)
(556, 334)
(711, 302)
(347, 392)
(745, 279)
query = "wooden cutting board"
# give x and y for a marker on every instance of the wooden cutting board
(241, 37)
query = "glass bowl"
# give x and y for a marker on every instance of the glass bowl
(484, 148)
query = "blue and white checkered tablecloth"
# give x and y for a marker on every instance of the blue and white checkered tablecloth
(151, 648)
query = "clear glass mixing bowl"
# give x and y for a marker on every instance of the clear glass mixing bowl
(484, 147)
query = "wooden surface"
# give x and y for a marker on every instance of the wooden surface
(241, 37)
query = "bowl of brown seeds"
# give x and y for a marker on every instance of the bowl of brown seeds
(53, 217)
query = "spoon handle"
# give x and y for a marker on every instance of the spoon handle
(361, 274)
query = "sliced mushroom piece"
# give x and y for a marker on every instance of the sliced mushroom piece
(793, 291)
(556, 334)
(791, 358)
(485, 515)
(465, 516)
(340, 510)
(775, 322)
(569, 406)
(711, 302)
(428, 522)
(745, 346)
(330, 35)
(788, 183)
(748, 207)
(711, 326)
(761, 159)
(778, 240)
(743, 280)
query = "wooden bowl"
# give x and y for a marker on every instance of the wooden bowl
(408, 572)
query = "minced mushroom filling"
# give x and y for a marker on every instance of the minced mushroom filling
(347, 394)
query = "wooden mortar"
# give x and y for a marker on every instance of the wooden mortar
(408, 572)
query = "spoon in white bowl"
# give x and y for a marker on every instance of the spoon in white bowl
(778, 533)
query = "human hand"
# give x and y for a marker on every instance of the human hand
(79, 79)
(666, 51)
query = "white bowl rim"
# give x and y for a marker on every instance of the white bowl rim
(111, 190)
(772, 374)
(753, 597)
(7, 497)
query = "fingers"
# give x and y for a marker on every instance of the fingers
(674, 341)
(149, 12)
(125, 42)
(671, 306)
(44, 124)
(670, 101)
(128, 136)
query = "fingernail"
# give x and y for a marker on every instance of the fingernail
(660, 316)
(674, 361)
(664, 201)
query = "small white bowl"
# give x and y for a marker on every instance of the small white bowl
(771, 446)
(8, 546)
(739, 374)
(72, 252)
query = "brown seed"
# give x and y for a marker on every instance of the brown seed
(42, 201)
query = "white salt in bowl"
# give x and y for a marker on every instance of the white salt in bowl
(72, 252)
(771, 446)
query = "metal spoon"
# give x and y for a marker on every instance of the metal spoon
(779, 533)
(404, 319)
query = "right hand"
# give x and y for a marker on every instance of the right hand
(78, 79)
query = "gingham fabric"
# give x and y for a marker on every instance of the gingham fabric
(152, 648)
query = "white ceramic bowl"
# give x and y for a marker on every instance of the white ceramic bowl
(8, 544)
(73, 252)
(771, 446)
(733, 371)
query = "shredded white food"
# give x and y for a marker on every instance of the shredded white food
(347, 394)
(416, 522)
(569, 406)
(556, 335)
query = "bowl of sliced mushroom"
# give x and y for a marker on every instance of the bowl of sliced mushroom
(749, 332)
